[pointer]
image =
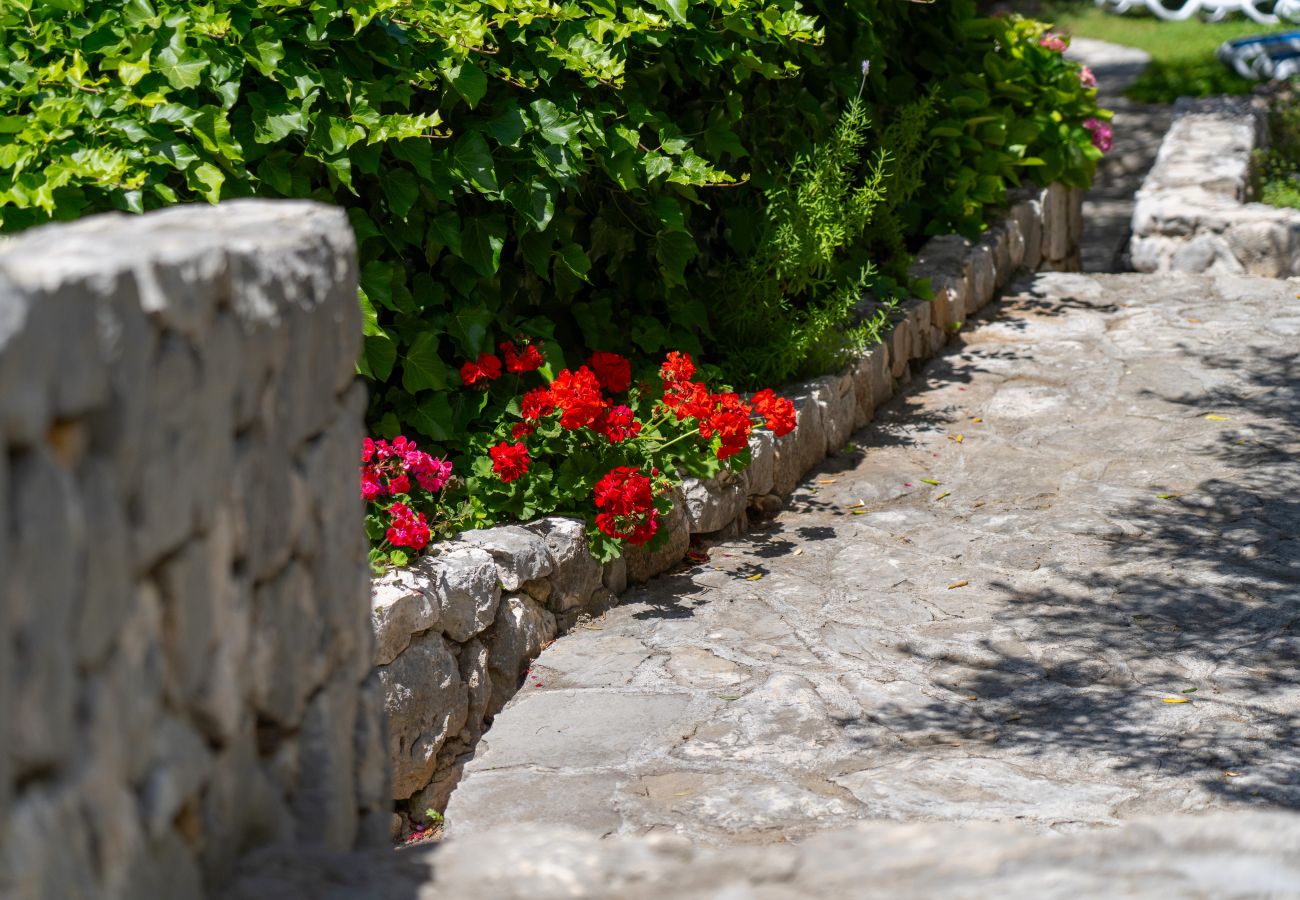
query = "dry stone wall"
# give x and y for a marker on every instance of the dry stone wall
(1193, 213)
(457, 631)
(186, 669)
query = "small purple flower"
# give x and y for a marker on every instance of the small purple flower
(866, 66)
(1086, 78)
(1103, 137)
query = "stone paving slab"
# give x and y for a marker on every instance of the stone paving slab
(1244, 854)
(1087, 509)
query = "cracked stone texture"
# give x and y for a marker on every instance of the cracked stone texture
(1086, 508)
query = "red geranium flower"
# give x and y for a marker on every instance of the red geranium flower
(577, 396)
(521, 429)
(408, 528)
(528, 360)
(688, 399)
(537, 403)
(613, 372)
(777, 411)
(486, 368)
(730, 421)
(617, 424)
(677, 367)
(509, 461)
(625, 499)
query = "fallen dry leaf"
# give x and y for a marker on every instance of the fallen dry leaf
(931, 481)
(1231, 774)
(798, 551)
(958, 584)
(1217, 418)
(976, 419)
(754, 577)
(944, 494)
(827, 481)
(956, 438)
(1174, 699)
(858, 512)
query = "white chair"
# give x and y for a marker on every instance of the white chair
(1211, 10)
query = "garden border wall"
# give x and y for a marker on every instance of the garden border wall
(457, 630)
(184, 642)
(1193, 212)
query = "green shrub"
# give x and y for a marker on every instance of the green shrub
(572, 172)
(1277, 168)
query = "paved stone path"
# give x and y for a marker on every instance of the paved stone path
(1086, 511)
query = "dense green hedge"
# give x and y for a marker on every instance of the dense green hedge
(576, 172)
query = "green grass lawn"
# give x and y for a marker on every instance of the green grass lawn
(1182, 53)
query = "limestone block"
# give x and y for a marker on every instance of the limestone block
(575, 572)
(45, 853)
(762, 456)
(1056, 222)
(839, 407)
(1027, 213)
(42, 593)
(520, 554)
(370, 738)
(106, 601)
(273, 504)
(712, 503)
(1206, 253)
(919, 312)
(803, 448)
(521, 629)
(402, 604)
(464, 579)
(426, 703)
(325, 795)
(872, 383)
(286, 664)
(613, 576)
(1074, 217)
(241, 807)
(473, 661)
(998, 243)
(1264, 247)
(167, 868)
(899, 339)
(983, 276)
(180, 764)
(1015, 244)
(644, 563)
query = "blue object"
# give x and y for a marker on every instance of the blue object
(1266, 57)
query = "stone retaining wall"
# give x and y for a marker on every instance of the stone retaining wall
(456, 632)
(186, 670)
(1193, 212)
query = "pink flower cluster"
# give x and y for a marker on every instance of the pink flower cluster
(1103, 137)
(387, 469)
(1052, 42)
(408, 528)
(1086, 78)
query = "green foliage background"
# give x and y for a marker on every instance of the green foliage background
(576, 172)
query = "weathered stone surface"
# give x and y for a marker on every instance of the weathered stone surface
(575, 572)
(522, 628)
(1056, 222)
(643, 563)
(983, 279)
(520, 554)
(1238, 854)
(1027, 214)
(993, 646)
(714, 503)
(427, 703)
(805, 447)
(900, 338)
(183, 564)
(758, 475)
(464, 579)
(402, 604)
(325, 799)
(613, 576)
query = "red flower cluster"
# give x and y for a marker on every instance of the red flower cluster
(577, 396)
(408, 529)
(387, 469)
(625, 500)
(537, 403)
(614, 372)
(617, 424)
(778, 412)
(510, 461)
(486, 368)
(730, 421)
(528, 359)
